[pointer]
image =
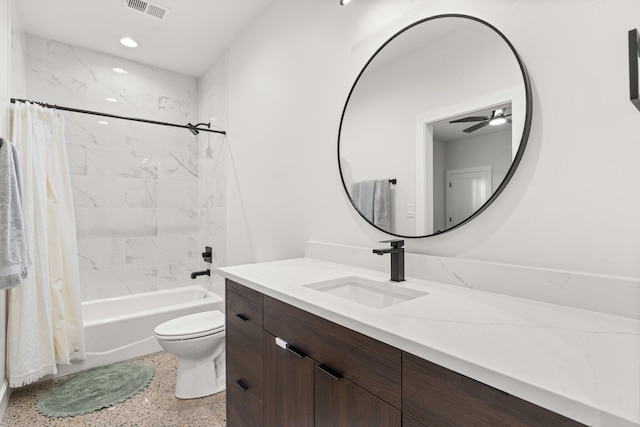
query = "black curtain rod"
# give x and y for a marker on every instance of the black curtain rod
(95, 113)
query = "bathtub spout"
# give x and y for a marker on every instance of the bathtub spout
(206, 272)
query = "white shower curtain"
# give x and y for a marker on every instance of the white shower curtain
(44, 314)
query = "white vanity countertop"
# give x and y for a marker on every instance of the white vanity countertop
(582, 364)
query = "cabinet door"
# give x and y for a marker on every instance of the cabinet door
(408, 421)
(288, 387)
(369, 363)
(439, 397)
(341, 403)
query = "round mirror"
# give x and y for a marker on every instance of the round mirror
(434, 126)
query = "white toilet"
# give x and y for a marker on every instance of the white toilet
(198, 342)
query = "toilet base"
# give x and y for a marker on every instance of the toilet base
(198, 378)
(201, 356)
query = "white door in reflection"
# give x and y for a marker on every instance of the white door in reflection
(466, 191)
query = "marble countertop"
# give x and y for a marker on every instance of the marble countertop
(582, 364)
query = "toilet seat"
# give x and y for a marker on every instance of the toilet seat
(191, 326)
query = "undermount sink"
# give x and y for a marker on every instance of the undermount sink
(367, 292)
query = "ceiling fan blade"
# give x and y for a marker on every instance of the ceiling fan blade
(469, 119)
(476, 127)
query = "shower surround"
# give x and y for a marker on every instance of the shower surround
(144, 211)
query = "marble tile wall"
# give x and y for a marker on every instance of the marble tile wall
(18, 66)
(212, 107)
(143, 213)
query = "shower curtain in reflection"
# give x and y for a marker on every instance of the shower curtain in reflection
(44, 314)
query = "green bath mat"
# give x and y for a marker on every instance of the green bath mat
(94, 389)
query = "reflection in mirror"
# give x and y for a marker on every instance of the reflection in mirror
(441, 110)
(470, 153)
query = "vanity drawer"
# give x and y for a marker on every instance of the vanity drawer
(244, 355)
(244, 341)
(243, 409)
(369, 363)
(245, 302)
(438, 397)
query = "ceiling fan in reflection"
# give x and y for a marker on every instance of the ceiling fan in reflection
(497, 117)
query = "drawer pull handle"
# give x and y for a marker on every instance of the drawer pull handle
(283, 344)
(242, 317)
(333, 374)
(242, 385)
(295, 351)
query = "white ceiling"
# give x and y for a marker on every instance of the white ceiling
(194, 34)
(446, 132)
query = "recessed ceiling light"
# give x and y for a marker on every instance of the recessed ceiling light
(344, 2)
(111, 99)
(119, 70)
(102, 122)
(128, 42)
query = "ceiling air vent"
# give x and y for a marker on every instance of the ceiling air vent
(147, 8)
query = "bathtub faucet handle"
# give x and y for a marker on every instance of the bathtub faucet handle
(206, 272)
(207, 254)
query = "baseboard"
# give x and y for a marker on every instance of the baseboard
(5, 393)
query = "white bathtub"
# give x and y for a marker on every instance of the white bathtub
(121, 328)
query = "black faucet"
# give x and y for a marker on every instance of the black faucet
(397, 258)
(207, 256)
(206, 272)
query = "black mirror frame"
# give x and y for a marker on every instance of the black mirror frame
(523, 141)
(634, 53)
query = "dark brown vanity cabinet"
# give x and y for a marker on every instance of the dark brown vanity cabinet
(245, 360)
(325, 375)
(328, 375)
(300, 392)
(438, 397)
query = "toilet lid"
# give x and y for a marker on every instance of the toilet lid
(192, 326)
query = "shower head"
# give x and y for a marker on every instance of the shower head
(194, 128)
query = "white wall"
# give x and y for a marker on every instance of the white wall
(573, 203)
(213, 108)
(18, 61)
(5, 55)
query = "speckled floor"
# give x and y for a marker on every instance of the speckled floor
(154, 406)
